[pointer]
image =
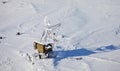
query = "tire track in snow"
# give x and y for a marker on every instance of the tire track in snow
(30, 25)
(74, 40)
(99, 64)
(87, 66)
(102, 59)
(73, 64)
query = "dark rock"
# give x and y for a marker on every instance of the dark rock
(4, 2)
(1, 37)
(18, 33)
(79, 58)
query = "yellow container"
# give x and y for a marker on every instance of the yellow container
(41, 47)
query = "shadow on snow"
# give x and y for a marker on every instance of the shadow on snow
(70, 53)
(107, 48)
(80, 52)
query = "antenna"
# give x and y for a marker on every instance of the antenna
(50, 32)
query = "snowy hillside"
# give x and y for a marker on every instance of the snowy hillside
(91, 29)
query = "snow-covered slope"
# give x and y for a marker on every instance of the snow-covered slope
(91, 29)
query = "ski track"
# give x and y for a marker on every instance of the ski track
(88, 60)
(88, 67)
(43, 14)
(83, 65)
(73, 37)
(102, 59)
(30, 26)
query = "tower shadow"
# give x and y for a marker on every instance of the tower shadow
(62, 54)
(70, 53)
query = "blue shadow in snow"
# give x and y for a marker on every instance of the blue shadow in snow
(80, 52)
(70, 53)
(107, 48)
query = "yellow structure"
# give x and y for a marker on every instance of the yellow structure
(41, 48)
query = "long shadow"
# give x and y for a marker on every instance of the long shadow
(80, 52)
(107, 48)
(70, 53)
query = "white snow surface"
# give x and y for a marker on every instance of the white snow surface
(91, 29)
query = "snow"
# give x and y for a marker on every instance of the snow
(91, 29)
